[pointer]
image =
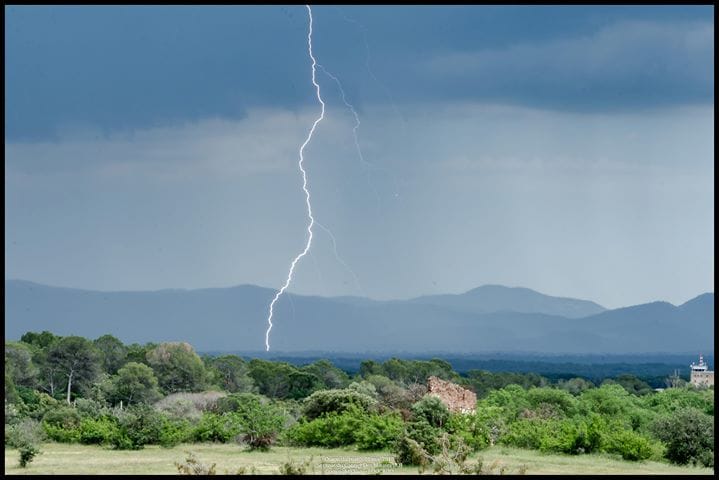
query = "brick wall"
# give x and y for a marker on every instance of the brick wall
(456, 398)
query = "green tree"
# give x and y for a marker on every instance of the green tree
(689, 436)
(231, 373)
(77, 360)
(631, 384)
(134, 383)
(18, 356)
(261, 424)
(114, 353)
(575, 386)
(329, 375)
(282, 380)
(138, 353)
(11, 395)
(336, 401)
(370, 367)
(39, 340)
(431, 410)
(177, 367)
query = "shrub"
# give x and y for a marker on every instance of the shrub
(238, 402)
(62, 424)
(432, 410)
(630, 445)
(610, 399)
(364, 387)
(88, 408)
(572, 436)
(260, 424)
(35, 404)
(290, 467)
(336, 401)
(190, 406)
(471, 429)
(23, 432)
(417, 442)
(139, 425)
(99, 431)
(525, 433)
(331, 430)
(689, 436)
(25, 436)
(27, 453)
(378, 432)
(561, 399)
(192, 466)
(409, 452)
(217, 428)
(174, 432)
(492, 418)
(512, 399)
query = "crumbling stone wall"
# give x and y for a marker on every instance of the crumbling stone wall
(456, 398)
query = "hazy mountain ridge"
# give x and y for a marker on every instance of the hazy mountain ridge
(496, 298)
(234, 318)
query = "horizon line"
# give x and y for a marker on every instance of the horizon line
(351, 296)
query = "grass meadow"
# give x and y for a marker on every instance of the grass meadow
(59, 458)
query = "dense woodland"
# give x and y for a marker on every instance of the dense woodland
(71, 389)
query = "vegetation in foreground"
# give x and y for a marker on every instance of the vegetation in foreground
(60, 458)
(125, 397)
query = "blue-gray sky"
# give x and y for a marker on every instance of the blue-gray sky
(566, 149)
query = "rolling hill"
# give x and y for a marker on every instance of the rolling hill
(487, 319)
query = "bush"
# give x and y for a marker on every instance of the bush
(561, 399)
(424, 434)
(27, 453)
(290, 467)
(217, 428)
(331, 430)
(610, 400)
(88, 408)
(62, 424)
(689, 437)
(35, 404)
(572, 436)
(192, 466)
(24, 435)
(630, 445)
(471, 429)
(101, 431)
(175, 432)
(409, 452)
(525, 433)
(378, 432)
(432, 410)
(238, 402)
(139, 425)
(260, 424)
(512, 399)
(25, 431)
(190, 406)
(336, 401)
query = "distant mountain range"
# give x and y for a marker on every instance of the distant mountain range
(491, 318)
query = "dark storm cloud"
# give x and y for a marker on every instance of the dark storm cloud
(134, 67)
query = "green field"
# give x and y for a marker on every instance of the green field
(81, 459)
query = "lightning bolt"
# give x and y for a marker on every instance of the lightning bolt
(339, 259)
(356, 126)
(304, 186)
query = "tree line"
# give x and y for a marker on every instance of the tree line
(72, 389)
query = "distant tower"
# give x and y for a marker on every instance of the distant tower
(701, 376)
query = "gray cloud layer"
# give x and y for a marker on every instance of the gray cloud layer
(128, 67)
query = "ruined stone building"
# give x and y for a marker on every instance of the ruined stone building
(456, 398)
(700, 375)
